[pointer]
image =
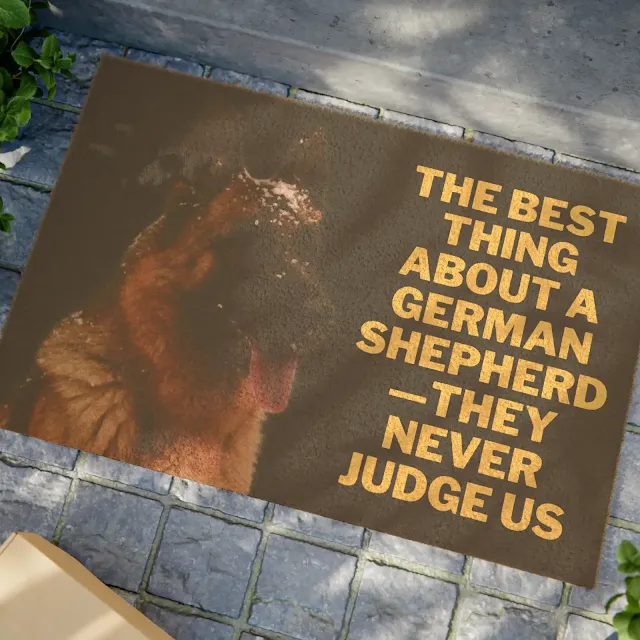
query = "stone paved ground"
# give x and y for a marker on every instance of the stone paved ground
(209, 564)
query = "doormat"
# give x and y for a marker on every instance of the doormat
(373, 324)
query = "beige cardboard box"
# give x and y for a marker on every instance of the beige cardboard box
(45, 594)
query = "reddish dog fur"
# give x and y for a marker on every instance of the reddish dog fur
(117, 381)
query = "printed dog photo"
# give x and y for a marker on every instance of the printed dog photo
(178, 361)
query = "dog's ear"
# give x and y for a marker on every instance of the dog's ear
(300, 156)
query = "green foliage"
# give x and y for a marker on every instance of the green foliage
(21, 66)
(627, 622)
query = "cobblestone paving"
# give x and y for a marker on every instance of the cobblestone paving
(209, 564)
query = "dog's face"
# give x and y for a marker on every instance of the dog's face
(256, 304)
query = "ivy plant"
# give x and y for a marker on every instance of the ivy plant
(27, 54)
(627, 622)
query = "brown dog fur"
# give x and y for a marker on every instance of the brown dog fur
(116, 379)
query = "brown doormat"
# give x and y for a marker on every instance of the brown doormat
(381, 326)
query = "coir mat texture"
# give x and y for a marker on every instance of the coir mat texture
(366, 322)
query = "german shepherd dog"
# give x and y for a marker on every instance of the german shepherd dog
(214, 304)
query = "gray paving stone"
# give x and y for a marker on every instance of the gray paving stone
(8, 286)
(336, 103)
(512, 146)
(234, 504)
(38, 151)
(167, 62)
(204, 562)
(516, 582)
(302, 590)
(318, 526)
(626, 500)
(28, 206)
(579, 628)
(422, 124)
(111, 533)
(596, 167)
(30, 500)
(25, 447)
(127, 474)
(610, 581)
(257, 84)
(486, 618)
(186, 627)
(88, 51)
(393, 603)
(416, 552)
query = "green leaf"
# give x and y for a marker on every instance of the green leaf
(626, 552)
(6, 81)
(621, 621)
(51, 92)
(629, 567)
(5, 222)
(4, 40)
(633, 587)
(47, 63)
(628, 557)
(3, 98)
(633, 605)
(14, 14)
(634, 628)
(15, 105)
(3, 167)
(24, 55)
(8, 129)
(48, 78)
(64, 63)
(50, 46)
(67, 74)
(611, 600)
(27, 88)
(24, 116)
(1, 204)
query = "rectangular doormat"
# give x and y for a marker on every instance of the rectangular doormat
(374, 324)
